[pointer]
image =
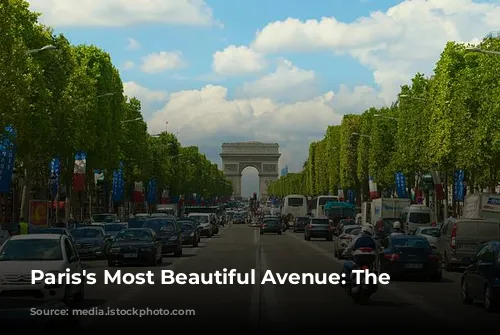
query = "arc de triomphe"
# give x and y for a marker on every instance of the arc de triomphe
(262, 156)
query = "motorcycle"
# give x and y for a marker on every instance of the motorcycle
(361, 290)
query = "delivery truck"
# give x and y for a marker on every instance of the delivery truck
(387, 208)
(482, 205)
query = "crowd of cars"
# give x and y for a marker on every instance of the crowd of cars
(143, 240)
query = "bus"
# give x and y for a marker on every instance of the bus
(294, 204)
(318, 203)
(336, 211)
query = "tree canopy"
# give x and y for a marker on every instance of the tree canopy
(70, 98)
(444, 122)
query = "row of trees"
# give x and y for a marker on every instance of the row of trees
(445, 122)
(70, 98)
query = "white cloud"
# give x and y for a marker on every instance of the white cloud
(128, 65)
(118, 13)
(145, 95)
(133, 44)
(162, 61)
(206, 118)
(395, 44)
(235, 60)
(287, 83)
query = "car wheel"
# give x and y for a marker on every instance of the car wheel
(466, 299)
(279, 233)
(153, 261)
(447, 266)
(111, 264)
(308, 238)
(262, 233)
(489, 303)
(80, 296)
(195, 244)
(160, 260)
(178, 252)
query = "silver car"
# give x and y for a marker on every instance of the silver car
(430, 233)
(345, 237)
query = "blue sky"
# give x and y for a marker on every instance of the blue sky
(285, 78)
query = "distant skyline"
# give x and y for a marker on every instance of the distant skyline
(270, 71)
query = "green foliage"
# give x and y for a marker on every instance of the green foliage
(70, 99)
(445, 122)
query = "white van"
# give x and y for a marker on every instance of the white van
(415, 216)
(294, 204)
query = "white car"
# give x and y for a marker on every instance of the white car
(53, 253)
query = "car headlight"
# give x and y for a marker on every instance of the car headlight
(147, 249)
(173, 238)
(114, 250)
(192, 234)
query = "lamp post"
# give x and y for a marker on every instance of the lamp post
(44, 48)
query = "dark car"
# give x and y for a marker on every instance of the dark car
(300, 224)
(53, 230)
(169, 233)
(271, 225)
(91, 242)
(112, 229)
(190, 232)
(410, 255)
(238, 219)
(319, 228)
(135, 246)
(480, 279)
(138, 220)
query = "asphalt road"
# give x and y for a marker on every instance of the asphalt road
(408, 304)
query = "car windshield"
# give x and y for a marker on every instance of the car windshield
(434, 232)
(295, 202)
(133, 235)
(108, 218)
(187, 225)
(350, 230)
(113, 227)
(199, 218)
(160, 225)
(411, 243)
(355, 232)
(303, 220)
(32, 250)
(86, 233)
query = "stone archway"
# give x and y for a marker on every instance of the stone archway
(262, 156)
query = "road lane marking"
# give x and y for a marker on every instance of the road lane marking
(254, 313)
(392, 288)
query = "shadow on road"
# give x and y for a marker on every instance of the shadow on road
(386, 303)
(422, 279)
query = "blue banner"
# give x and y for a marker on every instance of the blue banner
(55, 171)
(7, 159)
(459, 193)
(118, 184)
(401, 190)
(351, 196)
(152, 191)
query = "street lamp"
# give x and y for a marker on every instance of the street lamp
(411, 97)
(45, 48)
(489, 52)
(105, 95)
(385, 117)
(131, 120)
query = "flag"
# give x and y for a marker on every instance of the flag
(341, 194)
(7, 159)
(98, 176)
(372, 185)
(138, 195)
(401, 185)
(152, 190)
(55, 170)
(79, 171)
(459, 186)
(118, 183)
(438, 187)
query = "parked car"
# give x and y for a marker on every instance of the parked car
(169, 234)
(92, 242)
(190, 232)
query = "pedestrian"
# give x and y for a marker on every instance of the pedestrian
(23, 227)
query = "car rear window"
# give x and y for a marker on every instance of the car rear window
(320, 221)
